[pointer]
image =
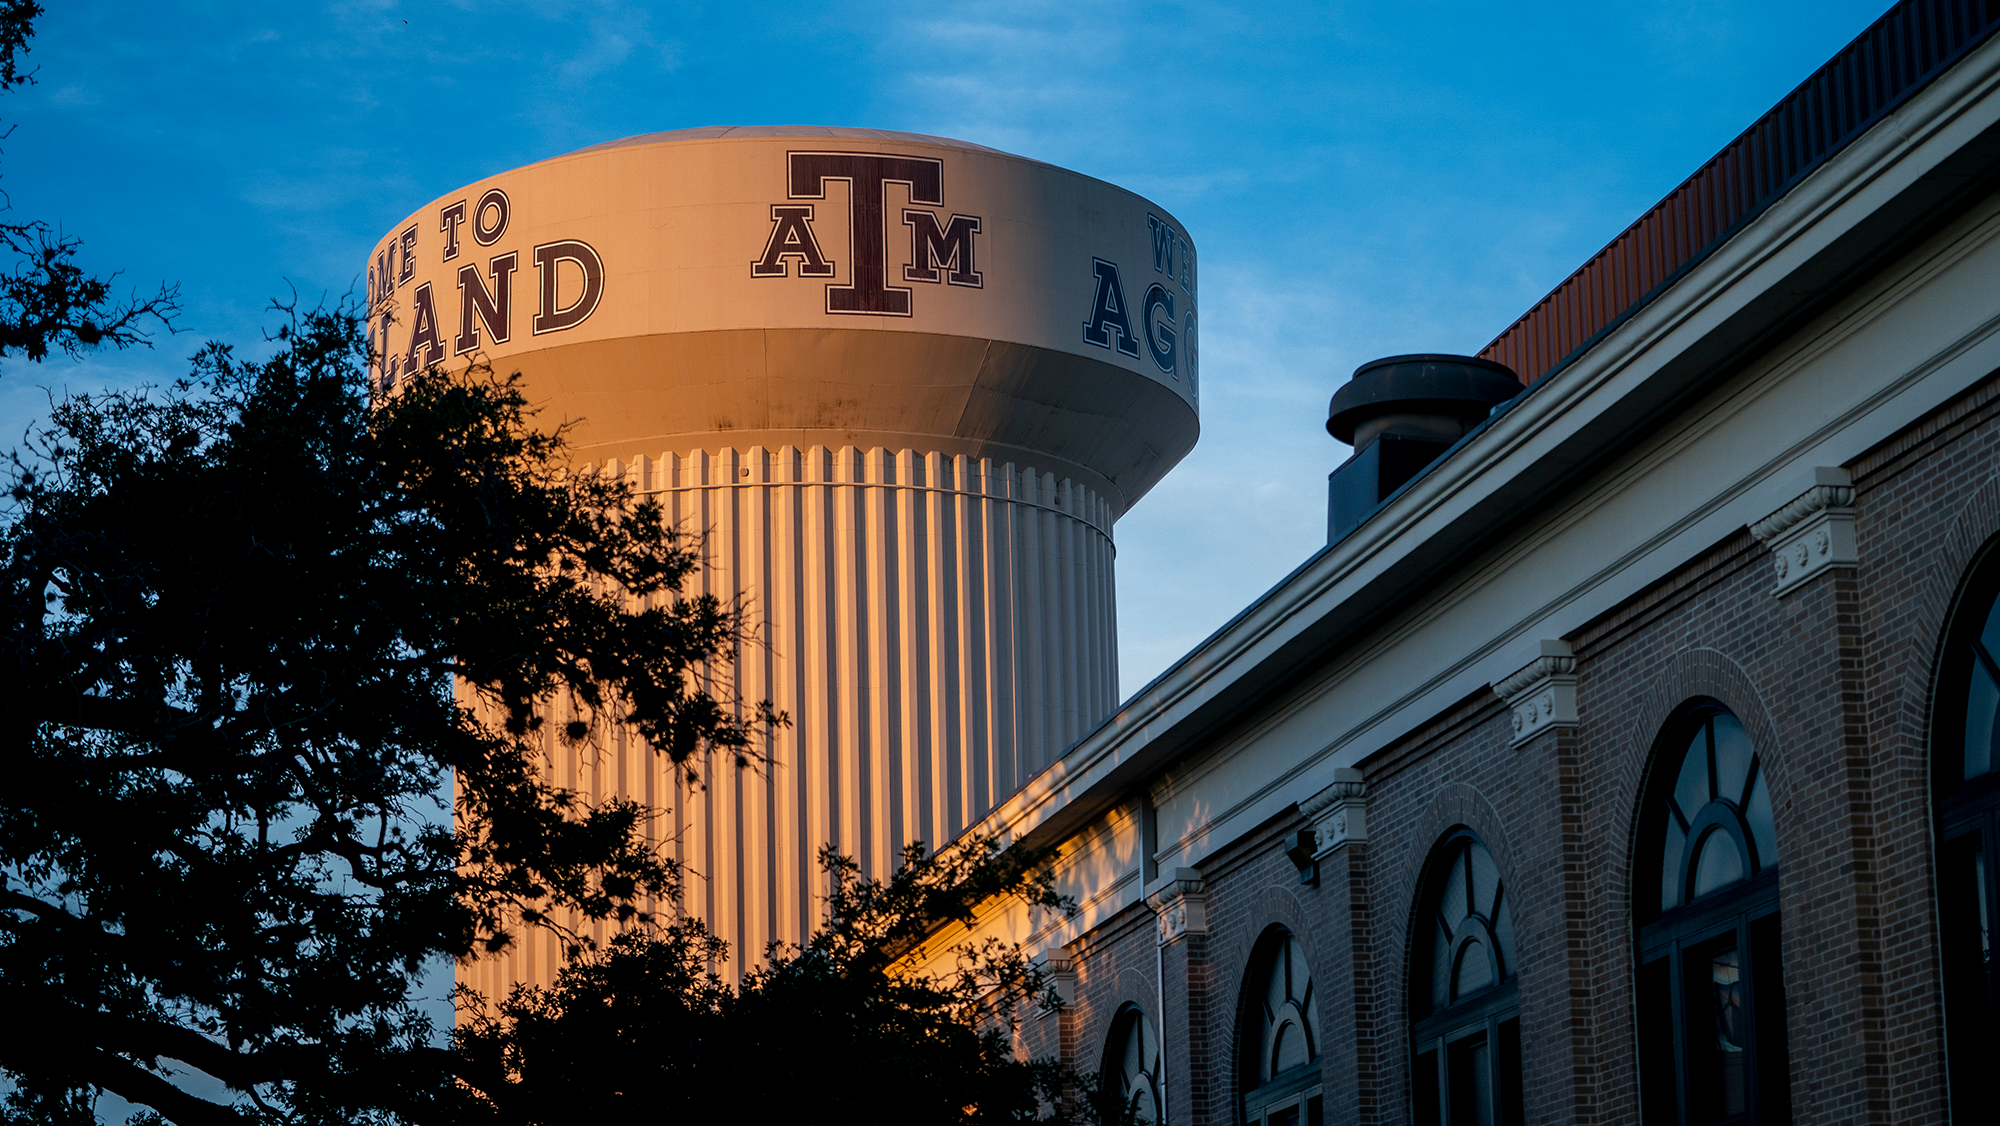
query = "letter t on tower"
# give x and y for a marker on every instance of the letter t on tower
(868, 176)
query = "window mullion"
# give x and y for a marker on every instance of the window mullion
(1492, 1035)
(1465, 857)
(1980, 654)
(1708, 737)
(1677, 1002)
(1992, 850)
(1753, 1048)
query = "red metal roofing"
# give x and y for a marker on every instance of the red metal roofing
(1911, 44)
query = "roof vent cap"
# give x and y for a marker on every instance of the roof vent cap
(1427, 396)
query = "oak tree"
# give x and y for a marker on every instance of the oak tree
(232, 615)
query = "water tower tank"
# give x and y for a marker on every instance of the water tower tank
(903, 387)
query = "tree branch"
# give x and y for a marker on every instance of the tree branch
(135, 1084)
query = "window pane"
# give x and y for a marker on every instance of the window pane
(1310, 1006)
(1440, 969)
(1725, 969)
(1485, 881)
(1475, 970)
(1691, 790)
(1283, 1040)
(1510, 1073)
(1315, 1111)
(1137, 1062)
(1982, 700)
(1990, 636)
(1763, 833)
(1291, 1048)
(1471, 1082)
(1274, 986)
(1720, 863)
(1659, 1089)
(1503, 933)
(1732, 758)
(1451, 901)
(1289, 1116)
(1670, 866)
(1424, 1084)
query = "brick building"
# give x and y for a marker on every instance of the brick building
(1631, 759)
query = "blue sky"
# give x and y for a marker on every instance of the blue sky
(1362, 178)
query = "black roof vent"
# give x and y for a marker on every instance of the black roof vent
(1400, 413)
(1448, 393)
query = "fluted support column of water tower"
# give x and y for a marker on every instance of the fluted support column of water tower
(902, 387)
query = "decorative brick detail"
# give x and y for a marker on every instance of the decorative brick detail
(1339, 813)
(1814, 533)
(1542, 693)
(1182, 906)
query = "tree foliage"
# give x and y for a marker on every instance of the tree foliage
(234, 612)
(846, 1029)
(258, 629)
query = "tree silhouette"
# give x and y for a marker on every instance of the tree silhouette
(280, 662)
(844, 1030)
(235, 611)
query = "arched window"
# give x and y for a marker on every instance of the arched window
(1465, 1015)
(1965, 771)
(1279, 1056)
(1711, 995)
(1131, 1076)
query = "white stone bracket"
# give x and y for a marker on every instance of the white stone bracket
(1542, 693)
(1181, 903)
(1061, 969)
(1339, 813)
(1814, 533)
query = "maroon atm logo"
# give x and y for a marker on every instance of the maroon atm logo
(941, 250)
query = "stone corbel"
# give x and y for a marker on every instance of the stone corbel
(1061, 969)
(1339, 813)
(1542, 692)
(1181, 903)
(1814, 533)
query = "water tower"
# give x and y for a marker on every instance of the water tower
(903, 386)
